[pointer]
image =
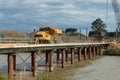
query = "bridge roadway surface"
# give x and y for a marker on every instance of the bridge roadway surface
(37, 47)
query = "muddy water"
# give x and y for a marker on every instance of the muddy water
(104, 68)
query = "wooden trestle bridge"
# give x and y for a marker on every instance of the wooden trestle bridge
(83, 50)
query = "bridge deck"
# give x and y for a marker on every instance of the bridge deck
(33, 47)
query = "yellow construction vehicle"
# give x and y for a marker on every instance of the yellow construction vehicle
(48, 35)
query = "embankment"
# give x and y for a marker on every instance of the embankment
(113, 49)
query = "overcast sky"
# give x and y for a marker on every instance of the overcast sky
(25, 15)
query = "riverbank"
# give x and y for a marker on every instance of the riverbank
(113, 49)
(61, 73)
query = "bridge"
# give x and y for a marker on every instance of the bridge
(84, 51)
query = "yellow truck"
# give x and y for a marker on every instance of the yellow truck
(48, 35)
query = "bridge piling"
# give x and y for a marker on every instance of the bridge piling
(14, 57)
(34, 63)
(72, 56)
(90, 53)
(85, 53)
(47, 58)
(97, 51)
(58, 56)
(10, 64)
(66, 57)
(94, 51)
(63, 58)
(101, 50)
(51, 61)
(79, 54)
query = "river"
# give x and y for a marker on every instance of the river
(104, 68)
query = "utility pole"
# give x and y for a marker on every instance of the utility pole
(80, 33)
(86, 30)
(86, 33)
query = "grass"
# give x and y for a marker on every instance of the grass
(2, 77)
(47, 77)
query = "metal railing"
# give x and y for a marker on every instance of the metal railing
(17, 40)
(31, 40)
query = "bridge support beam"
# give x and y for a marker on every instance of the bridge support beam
(97, 50)
(34, 63)
(47, 58)
(90, 53)
(85, 53)
(101, 53)
(58, 56)
(11, 64)
(72, 56)
(79, 54)
(51, 61)
(63, 58)
(14, 68)
(94, 51)
(66, 57)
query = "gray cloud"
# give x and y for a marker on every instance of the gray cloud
(26, 14)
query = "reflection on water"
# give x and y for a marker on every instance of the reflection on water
(105, 68)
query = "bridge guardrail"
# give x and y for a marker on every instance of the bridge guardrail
(31, 40)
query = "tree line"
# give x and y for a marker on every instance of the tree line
(98, 30)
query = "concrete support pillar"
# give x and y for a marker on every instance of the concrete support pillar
(90, 53)
(72, 56)
(63, 58)
(34, 63)
(79, 54)
(47, 58)
(51, 61)
(66, 57)
(85, 53)
(58, 56)
(10, 64)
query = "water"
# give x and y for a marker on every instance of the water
(23, 61)
(105, 68)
